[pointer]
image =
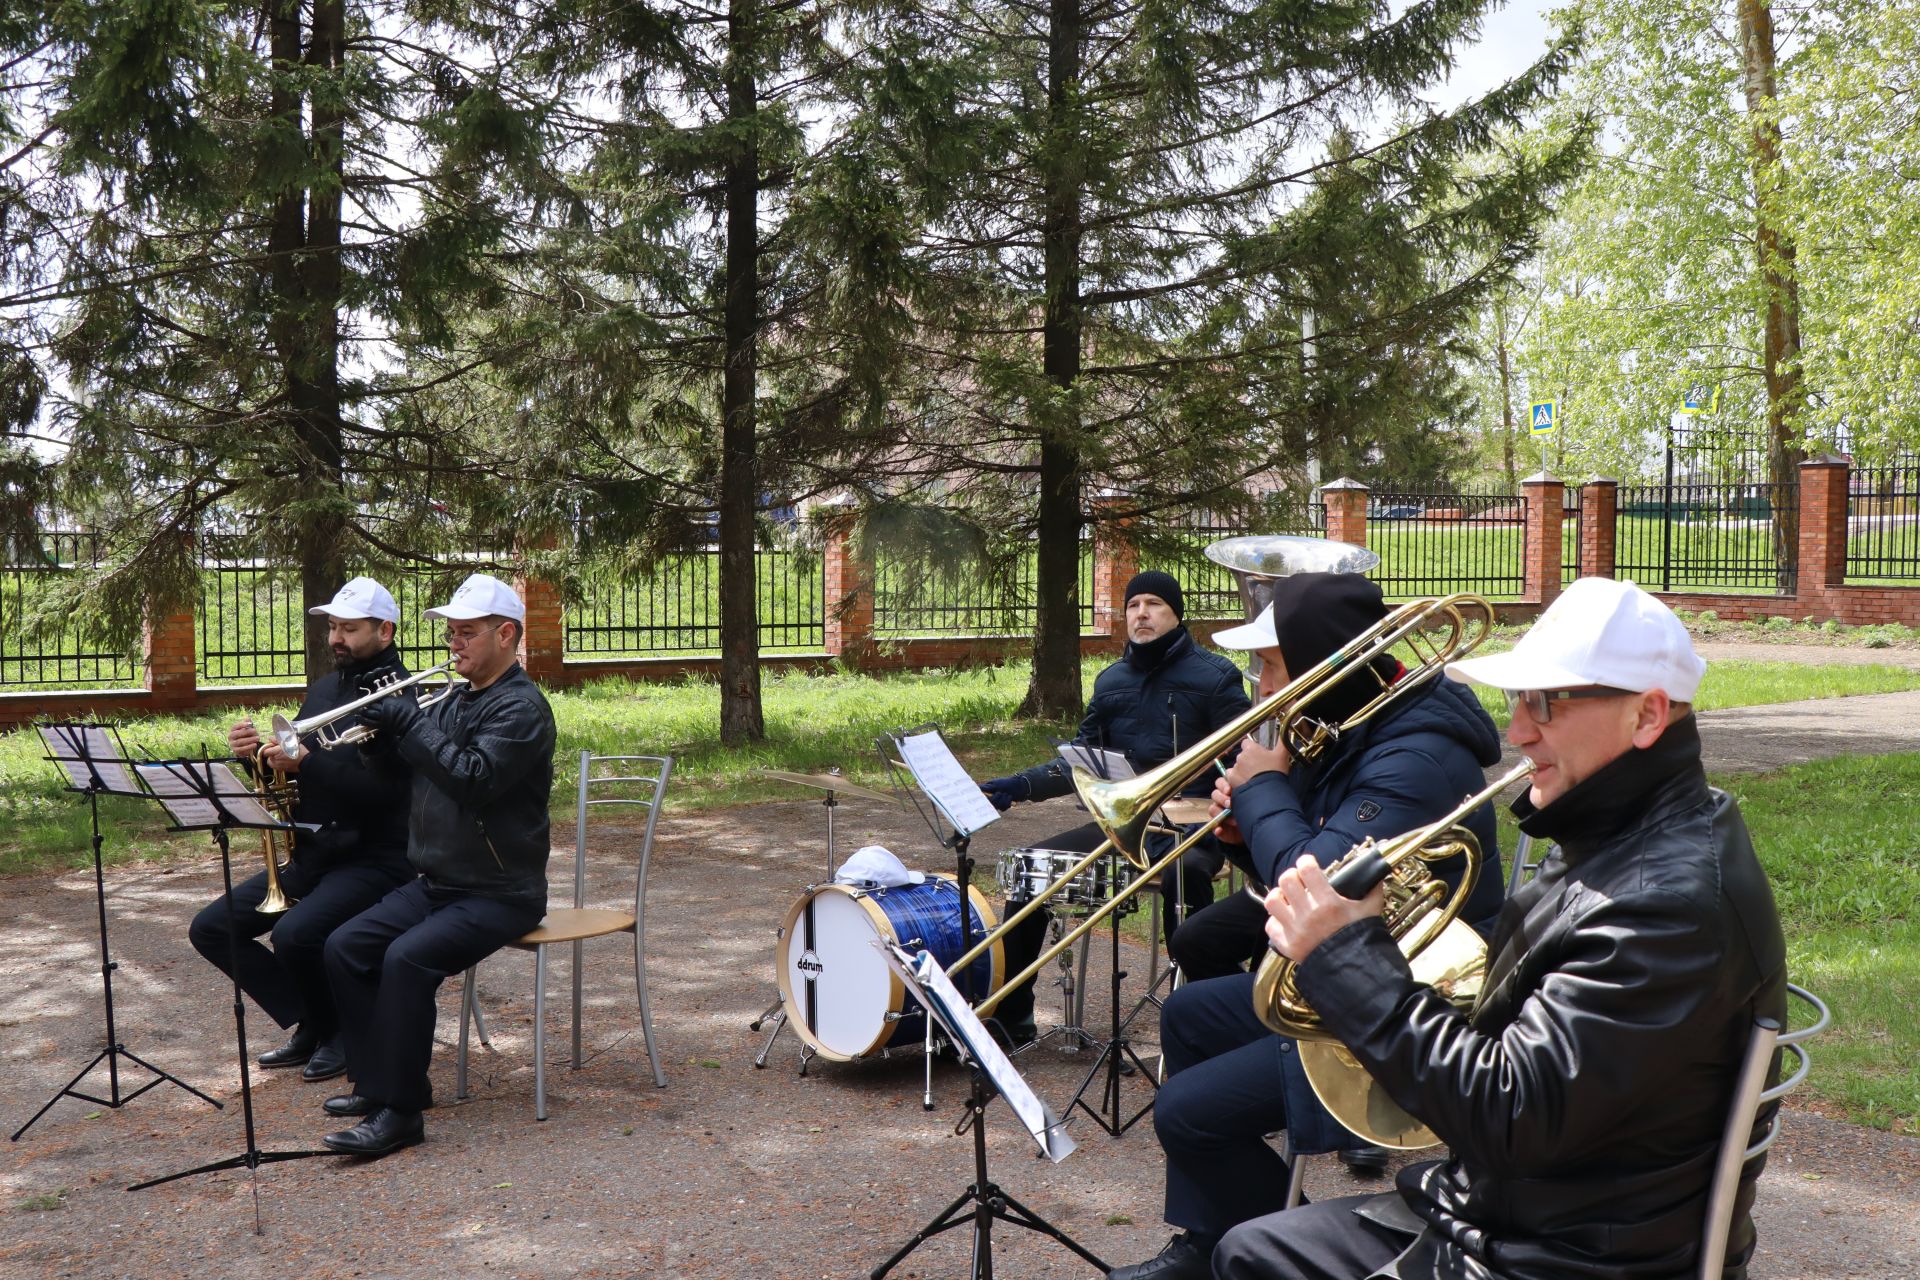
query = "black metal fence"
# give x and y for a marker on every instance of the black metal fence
(909, 601)
(1570, 535)
(1211, 591)
(676, 608)
(63, 657)
(1438, 542)
(1719, 537)
(1883, 523)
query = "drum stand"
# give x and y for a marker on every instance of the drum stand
(1073, 993)
(987, 1200)
(1117, 1056)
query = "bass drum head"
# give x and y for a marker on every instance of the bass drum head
(829, 937)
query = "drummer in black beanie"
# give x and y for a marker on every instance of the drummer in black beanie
(1164, 694)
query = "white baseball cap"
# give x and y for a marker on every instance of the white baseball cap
(1599, 632)
(482, 596)
(1258, 634)
(360, 598)
(873, 866)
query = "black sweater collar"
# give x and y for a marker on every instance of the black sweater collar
(1146, 657)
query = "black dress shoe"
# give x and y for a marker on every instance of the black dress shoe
(352, 1104)
(383, 1131)
(1180, 1260)
(1365, 1162)
(328, 1061)
(294, 1052)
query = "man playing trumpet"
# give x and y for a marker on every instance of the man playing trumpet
(478, 837)
(350, 850)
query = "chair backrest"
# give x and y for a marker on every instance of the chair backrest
(1749, 1095)
(1524, 863)
(646, 789)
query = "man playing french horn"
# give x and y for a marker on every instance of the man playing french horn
(350, 849)
(1584, 1094)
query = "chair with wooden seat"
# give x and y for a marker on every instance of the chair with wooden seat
(574, 925)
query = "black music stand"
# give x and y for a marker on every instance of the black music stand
(984, 1201)
(199, 798)
(1118, 1057)
(95, 764)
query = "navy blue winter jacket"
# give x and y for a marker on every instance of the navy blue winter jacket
(1149, 714)
(1382, 779)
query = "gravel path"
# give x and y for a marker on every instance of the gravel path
(728, 1172)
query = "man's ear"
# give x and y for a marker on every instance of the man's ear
(385, 629)
(1650, 719)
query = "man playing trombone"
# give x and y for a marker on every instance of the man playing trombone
(482, 758)
(350, 850)
(1230, 1080)
(1584, 1094)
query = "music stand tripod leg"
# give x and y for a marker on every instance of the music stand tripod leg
(114, 1050)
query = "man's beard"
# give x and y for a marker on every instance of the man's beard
(343, 658)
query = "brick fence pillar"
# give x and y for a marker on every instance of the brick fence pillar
(1346, 503)
(1599, 526)
(849, 586)
(543, 646)
(1115, 560)
(171, 658)
(1546, 513)
(1823, 523)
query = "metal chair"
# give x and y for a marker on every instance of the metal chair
(1523, 867)
(1749, 1095)
(579, 922)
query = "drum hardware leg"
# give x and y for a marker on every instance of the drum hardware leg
(779, 1025)
(806, 1056)
(1117, 1057)
(766, 1013)
(926, 1097)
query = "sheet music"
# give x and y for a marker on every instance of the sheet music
(181, 784)
(958, 796)
(83, 750)
(1110, 765)
(936, 992)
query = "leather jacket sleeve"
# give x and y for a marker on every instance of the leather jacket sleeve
(512, 739)
(1593, 1042)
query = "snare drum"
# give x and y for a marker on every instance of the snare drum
(841, 995)
(1023, 874)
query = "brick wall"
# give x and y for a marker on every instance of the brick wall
(1346, 503)
(1599, 534)
(849, 591)
(1545, 514)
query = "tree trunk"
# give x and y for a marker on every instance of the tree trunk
(1506, 399)
(1055, 688)
(741, 719)
(303, 242)
(1778, 277)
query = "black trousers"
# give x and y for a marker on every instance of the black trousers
(289, 981)
(387, 964)
(1196, 868)
(1223, 939)
(1325, 1240)
(1223, 1095)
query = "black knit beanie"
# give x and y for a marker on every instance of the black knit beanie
(1316, 613)
(1155, 583)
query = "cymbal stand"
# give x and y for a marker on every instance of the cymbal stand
(775, 1012)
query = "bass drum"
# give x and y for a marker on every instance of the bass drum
(841, 995)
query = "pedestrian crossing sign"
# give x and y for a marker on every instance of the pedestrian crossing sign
(1543, 414)
(1701, 398)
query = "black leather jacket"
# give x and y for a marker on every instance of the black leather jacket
(483, 773)
(1156, 700)
(1584, 1098)
(358, 805)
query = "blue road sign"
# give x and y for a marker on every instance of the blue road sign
(1542, 417)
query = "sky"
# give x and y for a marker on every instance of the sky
(1511, 39)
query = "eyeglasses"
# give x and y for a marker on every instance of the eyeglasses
(1540, 701)
(464, 635)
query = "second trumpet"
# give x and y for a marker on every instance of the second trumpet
(290, 734)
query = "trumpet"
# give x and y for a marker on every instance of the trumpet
(289, 733)
(276, 794)
(1443, 951)
(1124, 807)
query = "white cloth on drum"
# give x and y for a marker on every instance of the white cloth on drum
(873, 866)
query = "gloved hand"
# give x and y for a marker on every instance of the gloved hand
(1004, 791)
(392, 716)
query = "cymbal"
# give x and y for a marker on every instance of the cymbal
(826, 782)
(1186, 811)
